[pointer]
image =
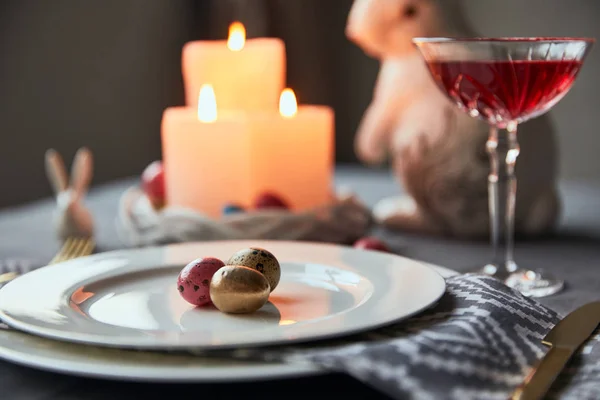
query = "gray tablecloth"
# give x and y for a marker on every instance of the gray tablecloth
(26, 232)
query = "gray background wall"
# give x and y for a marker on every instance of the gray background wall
(100, 73)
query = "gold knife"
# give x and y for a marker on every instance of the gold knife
(564, 340)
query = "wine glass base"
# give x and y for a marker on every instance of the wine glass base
(492, 270)
(527, 282)
(534, 283)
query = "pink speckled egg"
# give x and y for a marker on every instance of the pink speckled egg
(193, 282)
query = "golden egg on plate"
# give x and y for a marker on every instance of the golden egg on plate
(236, 289)
(261, 260)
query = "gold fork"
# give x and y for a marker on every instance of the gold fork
(73, 247)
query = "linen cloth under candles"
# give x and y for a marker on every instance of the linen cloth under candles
(344, 220)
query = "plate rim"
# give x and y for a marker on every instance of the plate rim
(129, 254)
(246, 371)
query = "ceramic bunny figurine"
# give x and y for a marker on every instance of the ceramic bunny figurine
(436, 150)
(71, 218)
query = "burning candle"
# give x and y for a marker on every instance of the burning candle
(245, 74)
(205, 156)
(213, 157)
(292, 153)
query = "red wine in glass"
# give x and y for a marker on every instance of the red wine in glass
(505, 90)
(506, 81)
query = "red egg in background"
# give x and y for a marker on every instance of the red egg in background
(270, 200)
(153, 183)
(371, 243)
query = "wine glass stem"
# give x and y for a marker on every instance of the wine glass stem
(503, 150)
(512, 154)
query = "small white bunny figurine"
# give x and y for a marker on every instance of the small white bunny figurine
(71, 218)
(437, 151)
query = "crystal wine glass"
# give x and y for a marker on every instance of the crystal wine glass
(506, 81)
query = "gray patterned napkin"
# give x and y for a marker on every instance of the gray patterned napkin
(479, 342)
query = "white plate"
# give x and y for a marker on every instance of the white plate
(99, 362)
(129, 299)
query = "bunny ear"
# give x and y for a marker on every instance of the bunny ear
(56, 171)
(81, 171)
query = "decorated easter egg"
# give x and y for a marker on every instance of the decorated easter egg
(371, 243)
(238, 289)
(193, 282)
(270, 200)
(232, 209)
(153, 183)
(261, 260)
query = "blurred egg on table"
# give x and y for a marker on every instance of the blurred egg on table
(270, 200)
(193, 282)
(238, 289)
(260, 260)
(232, 209)
(371, 243)
(153, 183)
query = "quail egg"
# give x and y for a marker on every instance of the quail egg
(238, 289)
(261, 260)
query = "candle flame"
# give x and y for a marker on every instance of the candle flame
(288, 106)
(207, 104)
(237, 36)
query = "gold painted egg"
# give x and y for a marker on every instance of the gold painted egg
(261, 260)
(238, 289)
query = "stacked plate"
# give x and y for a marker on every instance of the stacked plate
(119, 314)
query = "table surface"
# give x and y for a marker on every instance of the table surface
(26, 232)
